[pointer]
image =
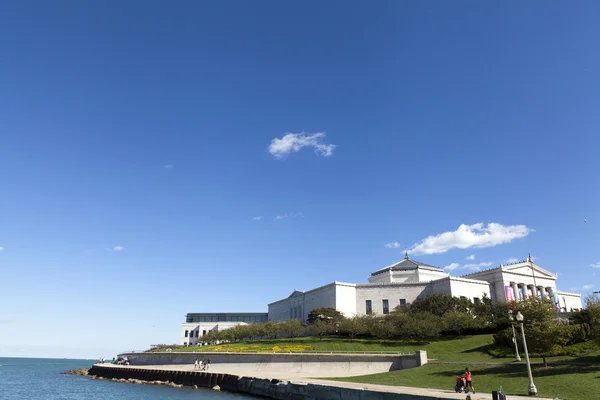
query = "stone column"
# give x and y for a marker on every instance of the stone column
(533, 293)
(543, 292)
(515, 291)
(524, 287)
(550, 293)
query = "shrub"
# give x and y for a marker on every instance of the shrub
(422, 326)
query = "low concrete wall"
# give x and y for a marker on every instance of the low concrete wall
(306, 363)
(274, 389)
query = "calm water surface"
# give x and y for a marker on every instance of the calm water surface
(40, 379)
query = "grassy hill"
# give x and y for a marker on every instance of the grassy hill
(471, 347)
(568, 382)
(464, 349)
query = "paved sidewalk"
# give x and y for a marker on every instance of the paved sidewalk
(303, 378)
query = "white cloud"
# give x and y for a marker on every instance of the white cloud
(257, 218)
(597, 265)
(119, 248)
(290, 215)
(511, 260)
(587, 287)
(470, 236)
(168, 166)
(392, 245)
(471, 257)
(293, 142)
(1, 248)
(452, 267)
(477, 267)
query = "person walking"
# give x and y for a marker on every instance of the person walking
(196, 364)
(468, 381)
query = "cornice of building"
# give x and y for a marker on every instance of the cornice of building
(391, 284)
(560, 292)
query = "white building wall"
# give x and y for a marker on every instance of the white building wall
(392, 292)
(319, 298)
(385, 277)
(471, 289)
(279, 311)
(195, 330)
(441, 286)
(411, 276)
(569, 301)
(345, 299)
(428, 276)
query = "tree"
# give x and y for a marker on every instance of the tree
(543, 330)
(354, 326)
(321, 328)
(423, 325)
(457, 321)
(324, 313)
(382, 327)
(209, 337)
(293, 327)
(272, 329)
(494, 316)
(257, 331)
(592, 314)
(440, 304)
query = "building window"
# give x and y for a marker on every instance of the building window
(476, 300)
(186, 333)
(386, 306)
(369, 306)
(402, 302)
(204, 332)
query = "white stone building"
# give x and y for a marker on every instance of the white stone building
(197, 325)
(409, 280)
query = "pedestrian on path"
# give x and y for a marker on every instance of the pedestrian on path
(468, 381)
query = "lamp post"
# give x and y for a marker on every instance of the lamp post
(532, 388)
(514, 337)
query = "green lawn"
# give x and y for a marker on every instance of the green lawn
(568, 382)
(465, 349)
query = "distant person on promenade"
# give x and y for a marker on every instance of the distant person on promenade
(196, 364)
(468, 381)
(207, 363)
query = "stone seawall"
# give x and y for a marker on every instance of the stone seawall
(270, 388)
(301, 363)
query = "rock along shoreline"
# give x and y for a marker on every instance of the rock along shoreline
(267, 388)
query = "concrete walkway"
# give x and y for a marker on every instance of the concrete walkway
(313, 379)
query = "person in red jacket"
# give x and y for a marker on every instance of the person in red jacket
(468, 381)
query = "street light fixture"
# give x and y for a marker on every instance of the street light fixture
(514, 337)
(532, 388)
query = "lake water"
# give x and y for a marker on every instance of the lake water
(39, 378)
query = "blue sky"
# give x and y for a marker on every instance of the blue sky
(160, 130)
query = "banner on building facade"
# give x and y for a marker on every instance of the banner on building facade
(521, 295)
(556, 302)
(508, 291)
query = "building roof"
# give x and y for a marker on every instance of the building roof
(514, 268)
(406, 265)
(226, 313)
